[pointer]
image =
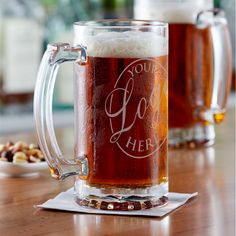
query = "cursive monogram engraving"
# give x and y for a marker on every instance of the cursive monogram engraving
(147, 108)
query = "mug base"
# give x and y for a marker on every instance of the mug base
(120, 199)
(198, 135)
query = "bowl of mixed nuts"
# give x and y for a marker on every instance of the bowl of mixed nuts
(21, 159)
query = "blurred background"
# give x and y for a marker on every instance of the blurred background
(27, 26)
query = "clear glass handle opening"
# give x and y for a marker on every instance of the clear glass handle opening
(54, 56)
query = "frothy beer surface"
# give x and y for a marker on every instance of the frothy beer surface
(171, 11)
(130, 44)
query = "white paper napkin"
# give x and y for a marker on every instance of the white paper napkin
(65, 201)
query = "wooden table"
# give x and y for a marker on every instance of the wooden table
(210, 171)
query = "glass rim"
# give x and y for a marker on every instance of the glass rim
(120, 23)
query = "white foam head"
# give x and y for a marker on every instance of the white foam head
(129, 44)
(172, 11)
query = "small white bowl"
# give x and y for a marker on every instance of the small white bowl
(8, 169)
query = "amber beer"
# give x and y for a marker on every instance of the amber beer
(191, 73)
(125, 127)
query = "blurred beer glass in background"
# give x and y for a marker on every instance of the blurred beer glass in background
(199, 67)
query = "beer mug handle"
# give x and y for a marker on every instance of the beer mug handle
(54, 56)
(213, 112)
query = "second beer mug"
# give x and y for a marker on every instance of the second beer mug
(121, 123)
(199, 67)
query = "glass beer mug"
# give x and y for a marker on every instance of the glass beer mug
(199, 67)
(120, 104)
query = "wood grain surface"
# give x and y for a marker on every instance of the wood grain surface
(209, 171)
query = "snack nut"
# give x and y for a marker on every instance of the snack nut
(19, 157)
(20, 152)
